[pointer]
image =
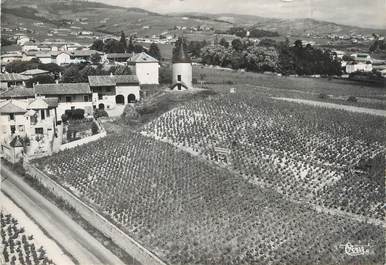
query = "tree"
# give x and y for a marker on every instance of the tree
(224, 43)
(41, 79)
(154, 51)
(51, 67)
(86, 72)
(130, 47)
(138, 48)
(21, 66)
(123, 41)
(113, 46)
(120, 70)
(98, 45)
(95, 58)
(237, 45)
(72, 75)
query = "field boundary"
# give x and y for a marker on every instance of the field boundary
(110, 230)
(376, 112)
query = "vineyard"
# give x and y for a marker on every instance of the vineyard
(188, 211)
(18, 248)
(327, 157)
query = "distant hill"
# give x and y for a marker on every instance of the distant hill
(284, 26)
(104, 18)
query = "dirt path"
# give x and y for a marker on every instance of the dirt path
(376, 112)
(66, 232)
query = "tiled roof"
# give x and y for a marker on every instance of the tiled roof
(9, 107)
(63, 89)
(112, 80)
(34, 72)
(12, 77)
(52, 102)
(101, 80)
(17, 92)
(142, 58)
(118, 55)
(126, 79)
(16, 142)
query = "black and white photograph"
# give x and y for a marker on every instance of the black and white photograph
(193, 132)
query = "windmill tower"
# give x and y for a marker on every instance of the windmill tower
(182, 68)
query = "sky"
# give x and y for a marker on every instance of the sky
(365, 13)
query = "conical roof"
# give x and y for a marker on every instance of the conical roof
(181, 55)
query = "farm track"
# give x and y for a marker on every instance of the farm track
(335, 106)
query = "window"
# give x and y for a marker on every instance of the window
(42, 114)
(85, 98)
(12, 116)
(20, 128)
(68, 98)
(13, 129)
(48, 113)
(100, 96)
(179, 77)
(38, 130)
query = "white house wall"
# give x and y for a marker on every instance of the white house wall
(147, 73)
(127, 90)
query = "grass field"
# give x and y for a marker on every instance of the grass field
(337, 91)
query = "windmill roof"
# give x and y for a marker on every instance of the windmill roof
(181, 55)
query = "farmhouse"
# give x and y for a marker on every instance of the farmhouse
(116, 57)
(28, 127)
(352, 67)
(10, 57)
(361, 57)
(145, 67)
(13, 79)
(34, 72)
(69, 95)
(111, 90)
(28, 46)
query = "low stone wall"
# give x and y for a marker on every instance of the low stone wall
(82, 141)
(102, 133)
(125, 242)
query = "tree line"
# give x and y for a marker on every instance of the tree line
(269, 55)
(122, 46)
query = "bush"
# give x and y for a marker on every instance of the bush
(75, 114)
(323, 96)
(100, 113)
(94, 128)
(352, 99)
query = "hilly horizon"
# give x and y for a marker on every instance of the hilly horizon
(106, 18)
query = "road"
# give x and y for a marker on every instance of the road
(376, 112)
(59, 226)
